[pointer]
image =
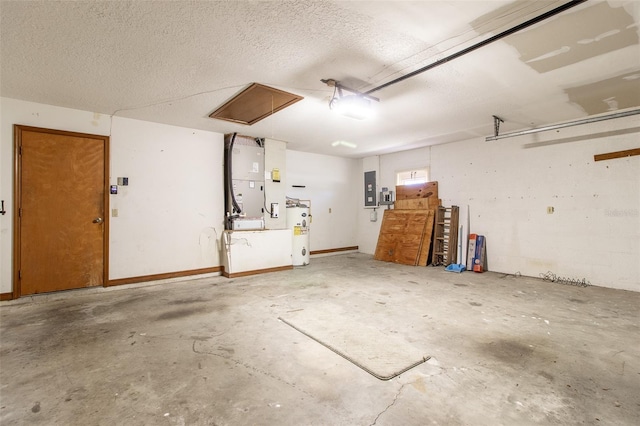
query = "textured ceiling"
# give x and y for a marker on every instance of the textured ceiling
(177, 61)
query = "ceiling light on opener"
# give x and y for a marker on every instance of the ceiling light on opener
(356, 106)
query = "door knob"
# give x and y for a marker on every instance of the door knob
(97, 220)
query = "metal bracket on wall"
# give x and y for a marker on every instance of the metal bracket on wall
(2, 210)
(496, 125)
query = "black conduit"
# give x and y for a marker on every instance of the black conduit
(503, 34)
(236, 206)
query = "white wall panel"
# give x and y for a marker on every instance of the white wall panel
(329, 184)
(594, 231)
(507, 185)
(170, 216)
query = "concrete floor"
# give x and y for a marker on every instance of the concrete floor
(505, 350)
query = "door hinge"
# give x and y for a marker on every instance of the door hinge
(19, 275)
(20, 150)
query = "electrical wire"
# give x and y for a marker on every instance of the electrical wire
(177, 98)
(333, 97)
(166, 101)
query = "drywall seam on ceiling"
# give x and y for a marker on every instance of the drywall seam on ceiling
(582, 34)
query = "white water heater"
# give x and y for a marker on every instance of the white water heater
(298, 220)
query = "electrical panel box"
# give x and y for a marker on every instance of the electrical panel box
(386, 197)
(370, 189)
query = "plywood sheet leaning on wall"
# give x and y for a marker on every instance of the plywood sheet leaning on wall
(420, 196)
(402, 234)
(426, 239)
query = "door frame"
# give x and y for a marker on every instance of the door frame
(17, 199)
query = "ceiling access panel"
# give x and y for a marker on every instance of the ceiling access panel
(254, 103)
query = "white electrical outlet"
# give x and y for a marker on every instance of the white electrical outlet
(114, 212)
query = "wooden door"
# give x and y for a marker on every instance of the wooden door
(61, 226)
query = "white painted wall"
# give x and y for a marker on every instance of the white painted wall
(171, 216)
(387, 168)
(275, 157)
(594, 232)
(329, 184)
